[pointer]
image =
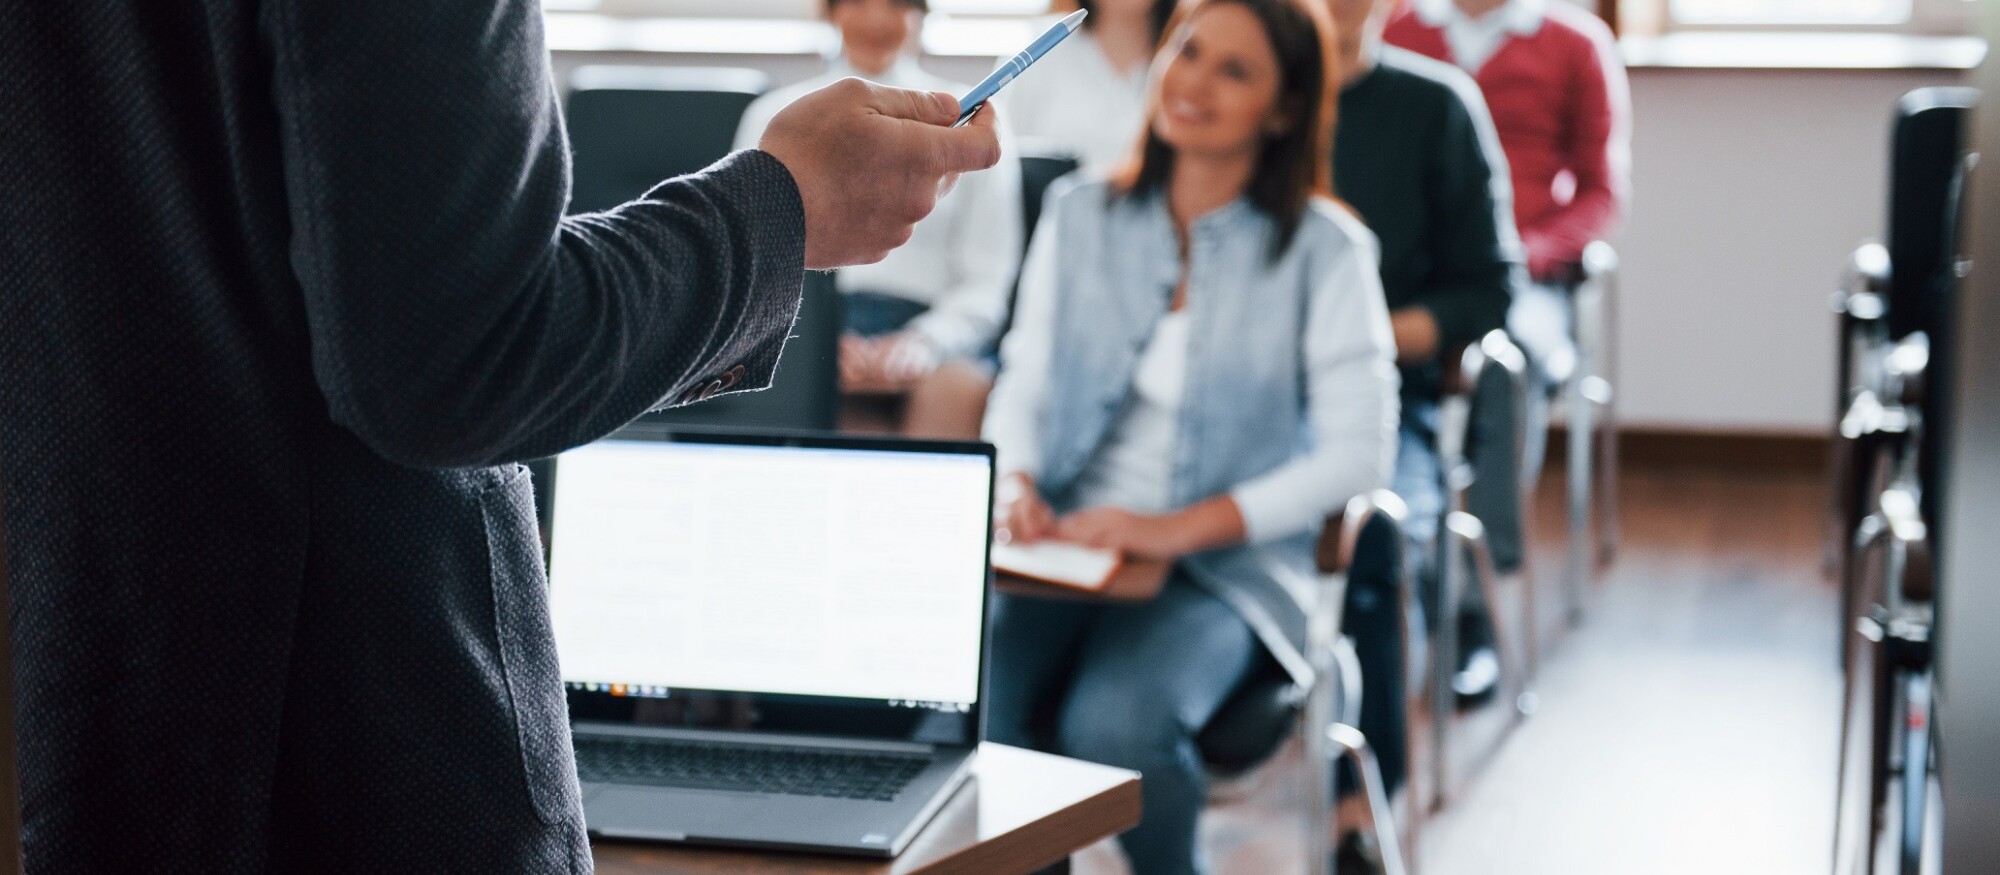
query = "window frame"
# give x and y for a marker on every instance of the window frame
(1927, 18)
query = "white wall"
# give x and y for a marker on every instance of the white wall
(1750, 187)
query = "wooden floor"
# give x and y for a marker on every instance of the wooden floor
(1688, 726)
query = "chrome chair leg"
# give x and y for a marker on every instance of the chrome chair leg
(1353, 747)
(1582, 530)
(1601, 359)
(1322, 700)
(1470, 535)
(1443, 664)
(1873, 528)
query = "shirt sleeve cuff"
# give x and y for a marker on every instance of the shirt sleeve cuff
(1268, 511)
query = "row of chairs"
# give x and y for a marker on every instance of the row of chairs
(630, 127)
(1894, 318)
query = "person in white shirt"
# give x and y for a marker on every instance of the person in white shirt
(941, 297)
(1089, 99)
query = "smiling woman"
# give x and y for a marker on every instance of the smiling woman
(1199, 372)
(1257, 77)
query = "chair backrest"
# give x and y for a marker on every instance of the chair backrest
(632, 127)
(1926, 146)
(805, 392)
(1940, 388)
(1498, 446)
(1041, 166)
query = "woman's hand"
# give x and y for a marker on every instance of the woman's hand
(888, 364)
(1024, 517)
(907, 357)
(1216, 522)
(1133, 534)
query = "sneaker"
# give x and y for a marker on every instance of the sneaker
(1476, 682)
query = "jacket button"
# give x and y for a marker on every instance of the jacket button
(709, 390)
(733, 376)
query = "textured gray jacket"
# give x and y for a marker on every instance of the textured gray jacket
(285, 292)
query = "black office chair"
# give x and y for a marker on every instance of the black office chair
(1895, 410)
(1890, 293)
(1042, 163)
(632, 127)
(1261, 715)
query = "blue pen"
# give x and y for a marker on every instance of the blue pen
(985, 90)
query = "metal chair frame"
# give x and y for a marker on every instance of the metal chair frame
(1865, 429)
(1326, 714)
(1883, 428)
(1898, 702)
(1589, 400)
(1463, 542)
(1332, 710)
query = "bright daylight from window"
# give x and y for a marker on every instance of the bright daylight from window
(1791, 11)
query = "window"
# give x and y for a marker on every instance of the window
(1939, 17)
(1804, 12)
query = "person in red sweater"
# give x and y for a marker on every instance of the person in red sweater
(1552, 79)
(1551, 76)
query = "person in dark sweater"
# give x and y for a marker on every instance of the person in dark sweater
(1416, 156)
(286, 292)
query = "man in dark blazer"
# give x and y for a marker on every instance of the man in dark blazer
(285, 293)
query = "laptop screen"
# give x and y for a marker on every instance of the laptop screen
(794, 571)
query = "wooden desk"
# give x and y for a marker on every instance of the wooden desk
(1020, 812)
(1137, 580)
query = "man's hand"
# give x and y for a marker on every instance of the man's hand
(870, 161)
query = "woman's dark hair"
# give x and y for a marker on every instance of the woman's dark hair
(1163, 12)
(1293, 166)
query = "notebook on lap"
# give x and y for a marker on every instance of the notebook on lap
(771, 641)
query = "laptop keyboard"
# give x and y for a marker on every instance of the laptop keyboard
(665, 762)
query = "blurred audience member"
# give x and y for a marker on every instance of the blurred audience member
(1089, 97)
(1551, 74)
(1415, 154)
(1200, 371)
(940, 298)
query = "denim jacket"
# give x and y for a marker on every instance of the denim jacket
(1290, 404)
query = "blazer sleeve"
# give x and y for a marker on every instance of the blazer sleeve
(456, 318)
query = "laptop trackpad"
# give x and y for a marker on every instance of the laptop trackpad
(672, 814)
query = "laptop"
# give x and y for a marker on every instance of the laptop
(771, 641)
